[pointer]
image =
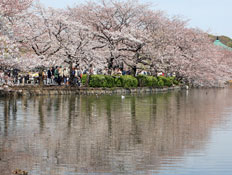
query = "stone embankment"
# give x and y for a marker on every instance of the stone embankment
(64, 90)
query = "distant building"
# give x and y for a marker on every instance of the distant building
(217, 42)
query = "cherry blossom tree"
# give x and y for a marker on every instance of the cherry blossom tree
(9, 48)
(113, 26)
(77, 43)
(34, 30)
(196, 59)
(54, 37)
(9, 8)
(109, 34)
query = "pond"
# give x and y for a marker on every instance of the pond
(174, 133)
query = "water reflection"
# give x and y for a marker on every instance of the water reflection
(143, 134)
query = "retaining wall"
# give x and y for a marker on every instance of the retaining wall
(63, 90)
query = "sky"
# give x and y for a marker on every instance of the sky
(213, 16)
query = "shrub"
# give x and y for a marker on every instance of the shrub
(142, 80)
(153, 80)
(97, 81)
(147, 81)
(175, 82)
(101, 81)
(118, 81)
(167, 81)
(160, 83)
(83, 78)
(109, 80)
(128, 81)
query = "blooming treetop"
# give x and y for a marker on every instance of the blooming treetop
(8, 11)
(111, 34)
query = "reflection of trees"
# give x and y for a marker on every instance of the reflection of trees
(6, 116)
(71, 109)
(108, 134)
(9, 112)
(11, 145)
(41, 113)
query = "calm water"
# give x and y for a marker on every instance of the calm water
(175, 133)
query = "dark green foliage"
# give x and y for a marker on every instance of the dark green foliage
(166, 81)
(160, 83)
(118, 81)
(83, 79)
(98, 81)
(129, 81)
(150, 81)
(147, 81)
(175, 82)
(109, 81)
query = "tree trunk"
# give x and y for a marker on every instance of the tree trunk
(87, 81)
(88, 76)
(110, 64)
(41, 83)
(71, 76)
(133, 72)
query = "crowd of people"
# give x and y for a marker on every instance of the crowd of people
(51, 76)
(55, 75)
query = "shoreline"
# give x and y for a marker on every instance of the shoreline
(68, 90)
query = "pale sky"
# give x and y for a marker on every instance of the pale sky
(209, 15)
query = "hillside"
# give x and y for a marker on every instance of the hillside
(224, 39)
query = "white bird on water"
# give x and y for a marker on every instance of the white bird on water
(122, 96)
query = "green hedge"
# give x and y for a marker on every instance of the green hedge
(97, 81)
(128, 81)
(147, 81)
(83, 78)
(108, 81)
(118, 81)
(150, 81)
(174, 81)
(165, 81)
(101, 81)
(160, 83)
